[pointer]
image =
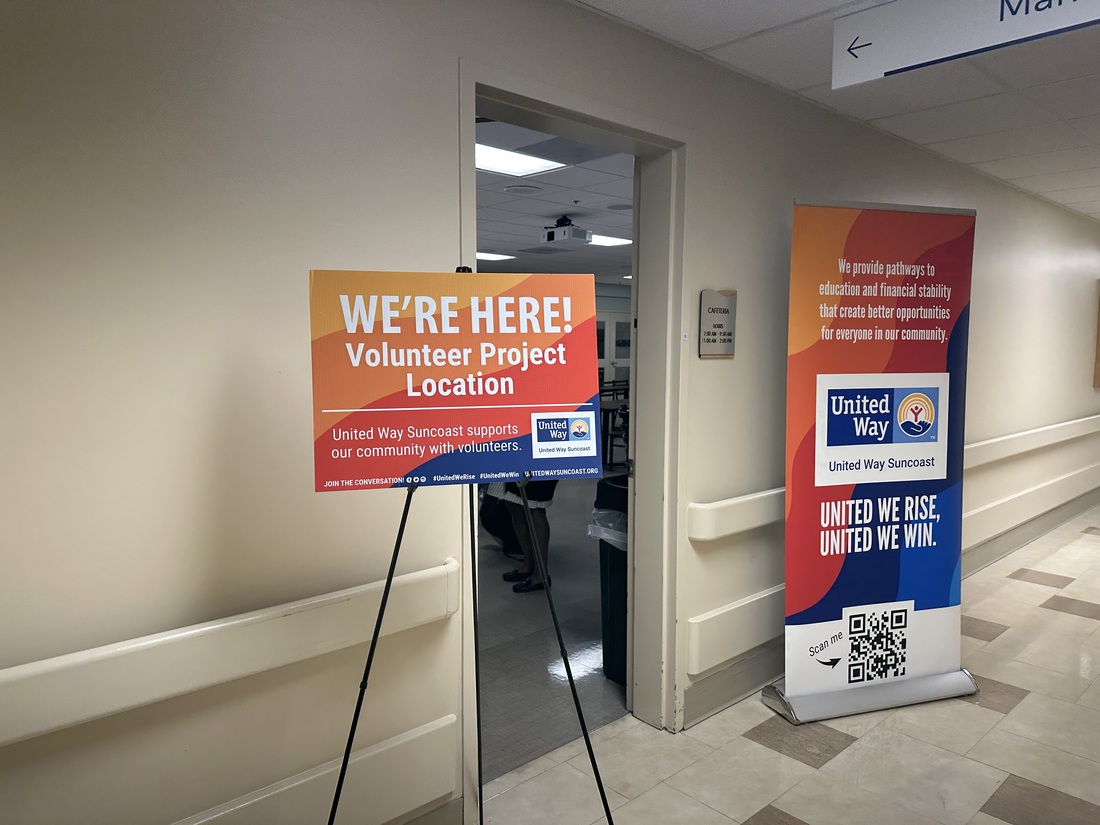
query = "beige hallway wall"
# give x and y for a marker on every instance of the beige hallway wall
(172, 170)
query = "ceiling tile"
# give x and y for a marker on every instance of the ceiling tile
(500, 229)
(587, 200)
(908, 92)
(622, 188)
(491, 178)
(618, 164)
(487, 197)
(536, 222)
(1063, 160)
(1049, 59)
(488, 213)
(1079, 97)
(500, 182)
(1012, 143)
(506, 136)
(1074, 196)
(574, 177)
(547, 210)
(564, 150)
(620, 220)
(548, 249)
(1060, 180)
(997, 113)
(702, 24)
(792, 57)
(1088, 126)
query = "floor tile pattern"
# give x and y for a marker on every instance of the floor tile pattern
(1039, 577)
(1023, 751)
(999, 696)
(1076, 607)
(1021, 802)
(981, 629)
(773, 816)
(813, 744)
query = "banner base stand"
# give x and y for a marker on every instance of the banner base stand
(814, 706)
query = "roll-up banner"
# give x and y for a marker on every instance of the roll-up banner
(876, 386)
(452, 378)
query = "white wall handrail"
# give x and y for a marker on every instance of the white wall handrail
(716, 520)
(1007, 446)
(56, 693)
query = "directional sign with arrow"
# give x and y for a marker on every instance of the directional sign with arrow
(853, 47)
(914, 34)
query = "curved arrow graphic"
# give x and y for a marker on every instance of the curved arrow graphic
(830, 663)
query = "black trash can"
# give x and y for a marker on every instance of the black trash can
(611, 495)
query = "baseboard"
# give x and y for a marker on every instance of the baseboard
(450, 813)
(996, 548)
(742, 678)
(385, 783)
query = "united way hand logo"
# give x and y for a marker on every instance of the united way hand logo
(916, 413)
(578, 428)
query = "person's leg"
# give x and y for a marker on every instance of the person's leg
(542, 533)
(519, 528)
(523, 533)
(497, 521)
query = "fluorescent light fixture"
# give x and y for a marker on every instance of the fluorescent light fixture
(628, 277)
(607, 240)
(492, 256)
(503, 162)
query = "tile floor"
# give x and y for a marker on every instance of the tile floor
(526, 707)
(1025, 751)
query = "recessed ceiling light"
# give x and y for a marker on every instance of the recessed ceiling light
(522, 189)
(492, 256)
(607, 240)
(503, 162)
(620, 207)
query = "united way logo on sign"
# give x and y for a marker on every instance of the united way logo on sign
(882, 415)
(916, 416)
(881, 427)
(560, 435)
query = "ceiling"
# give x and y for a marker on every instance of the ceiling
(595, 190)
(1027, 114)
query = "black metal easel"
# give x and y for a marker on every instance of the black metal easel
(561, 645)
(477, 647)
(370, 655)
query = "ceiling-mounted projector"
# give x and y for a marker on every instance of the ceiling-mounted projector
(565, 234)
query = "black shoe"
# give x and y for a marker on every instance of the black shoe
(528, 586)
(516, 575)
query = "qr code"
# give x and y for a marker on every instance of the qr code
(878, 645)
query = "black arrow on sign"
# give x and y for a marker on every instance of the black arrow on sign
(852, 47)
(830, 663)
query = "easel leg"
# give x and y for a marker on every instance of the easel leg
(370, 655)
(561, 645)
(477, 647)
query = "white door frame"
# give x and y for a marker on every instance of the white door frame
(655, 368)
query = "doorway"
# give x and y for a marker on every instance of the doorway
(657, 327)
(527, 708)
